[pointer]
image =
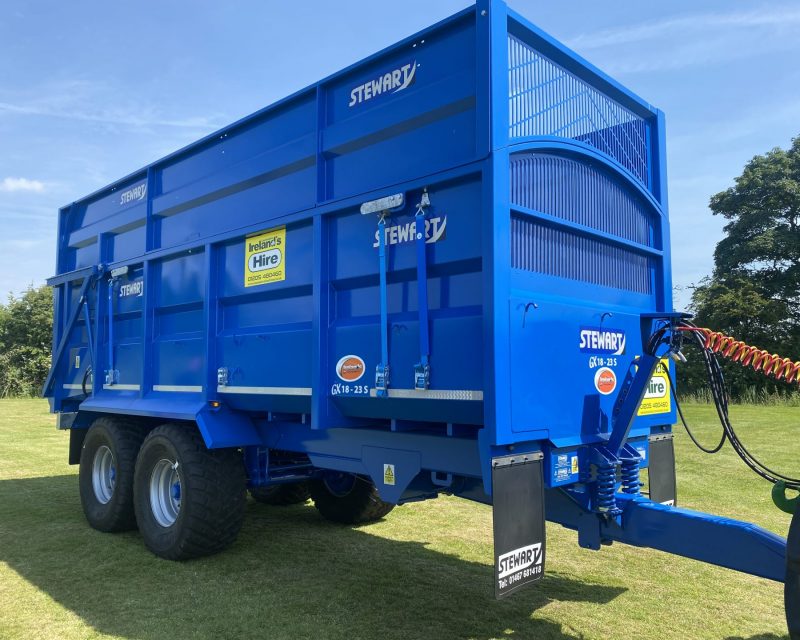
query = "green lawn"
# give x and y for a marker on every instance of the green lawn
(424, 572)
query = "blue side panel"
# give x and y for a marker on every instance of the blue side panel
(264, 332)
(407, 112)
(178, 324)
(241, 269)
(586, 262)
(587, 242)
(454, 302)
(432, 113)
(125, 330)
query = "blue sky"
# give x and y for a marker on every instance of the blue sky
(90, 91)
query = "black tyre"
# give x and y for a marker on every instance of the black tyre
(792, 587)
(281, 494)
(189, 499)
(348, 498)
(105, 476)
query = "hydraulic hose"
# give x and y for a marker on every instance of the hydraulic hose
(710, 344)
(691, 435)
(770, 364)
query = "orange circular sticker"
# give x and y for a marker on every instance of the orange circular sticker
(350, 368)
(605, 381)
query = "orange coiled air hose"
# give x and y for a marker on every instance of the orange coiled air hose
(769, 364)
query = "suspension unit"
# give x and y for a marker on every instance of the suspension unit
(616, 464)
(611, 487)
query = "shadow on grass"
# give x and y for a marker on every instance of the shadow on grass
(761, 636)
(290, 575)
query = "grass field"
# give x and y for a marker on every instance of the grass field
(423, 573)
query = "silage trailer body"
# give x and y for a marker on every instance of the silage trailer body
(437, 270)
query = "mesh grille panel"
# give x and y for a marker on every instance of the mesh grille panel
(540, 248)
(547, 100)
(579, 193)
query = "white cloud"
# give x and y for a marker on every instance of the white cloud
(118, 117)
(779, 17)
(10, 185)
(98, 103)
(689, 40)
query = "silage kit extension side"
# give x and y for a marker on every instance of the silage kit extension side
(444, 269)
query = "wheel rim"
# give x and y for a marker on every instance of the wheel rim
(165, 492)
(104, 474)
(339, 483)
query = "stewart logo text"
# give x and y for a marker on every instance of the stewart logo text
(133, 194)
(597, 340)
(387, 83)
(519, 559)
(435, 229)
(135, 288)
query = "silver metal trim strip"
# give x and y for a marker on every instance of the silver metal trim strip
(74, 386)
(267, 391)
(433, 394)
(179, 388)
(121, 387)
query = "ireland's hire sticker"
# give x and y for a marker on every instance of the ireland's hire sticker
(265, 257)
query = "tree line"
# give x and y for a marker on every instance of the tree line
(26, 334)
(753, 293)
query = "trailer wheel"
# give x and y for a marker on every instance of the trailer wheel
(189, 499)
(281, 494)
(105, 476)
(348, 498)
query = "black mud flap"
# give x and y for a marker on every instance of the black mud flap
(661, 470)
(76, 438)
(518, 512)
(792, 588)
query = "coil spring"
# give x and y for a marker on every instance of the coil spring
(630, 477)
(606, 487)
(771, 364)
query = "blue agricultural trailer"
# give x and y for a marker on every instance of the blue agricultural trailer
(444, 269)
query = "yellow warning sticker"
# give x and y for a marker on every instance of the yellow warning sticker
(388, 474)
(574, 462)
(657, 397)
(265, 257)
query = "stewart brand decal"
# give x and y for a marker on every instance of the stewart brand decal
(435, 230)
(519, 560)
(134, 194)
(606, 341)
(388, 83)
(131, 289)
